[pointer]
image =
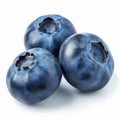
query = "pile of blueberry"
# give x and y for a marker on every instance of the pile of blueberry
(54, 47)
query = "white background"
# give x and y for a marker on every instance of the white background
(101, 17)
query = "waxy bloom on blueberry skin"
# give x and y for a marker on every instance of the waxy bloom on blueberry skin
(33, 76)
(48, 31)
(86, 62)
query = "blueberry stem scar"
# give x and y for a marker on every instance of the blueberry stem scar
(101, 49)
(24, 58)
(48, 26)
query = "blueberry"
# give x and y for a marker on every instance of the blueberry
(86, 62)
(33, 76)
(48, 31)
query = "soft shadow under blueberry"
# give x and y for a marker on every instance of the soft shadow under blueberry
(60, 98)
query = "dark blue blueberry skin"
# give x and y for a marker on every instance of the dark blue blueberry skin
(86, 62)
(48, 31)
(33, 76)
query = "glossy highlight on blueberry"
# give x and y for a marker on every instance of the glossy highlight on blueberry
(49, 32)
(86, 62)
(33, 76)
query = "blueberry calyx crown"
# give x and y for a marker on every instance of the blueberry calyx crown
(98, 52)
(24, 62)
(48, 26)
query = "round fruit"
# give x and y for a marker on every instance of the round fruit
(86, 62)
(48, 31)
(33, 76)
